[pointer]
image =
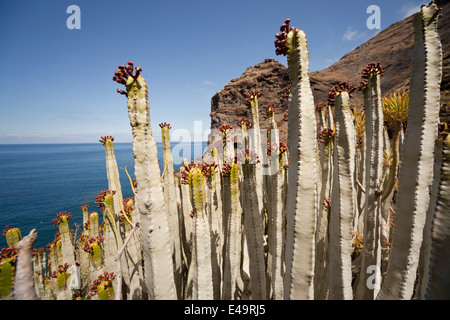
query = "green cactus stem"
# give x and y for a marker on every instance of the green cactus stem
(201, 267)
(103, 287)
(154, 227)
(343, 199)
(12, 235)
(8, 259)
(94, 248)
(93, 228)
(301, 206)
(417, 154)
(67, 248)
(371, 254)
(24, 276)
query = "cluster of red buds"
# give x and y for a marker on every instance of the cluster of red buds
(128, 207)
(325, 136)
(37, 251)
(244, 121)
(340, 87)
(270, 109)
(104, 280)
(320, 106)
(208, 169)
(372, 69)
(252, 95)
(247, 156)
(101, 197)
(282, 147)
(272, 148)
(327, 204)
(104, 138)
(184, 170)
(89, 242)
(61, 269)
(369, 71)
(9, 253)
(287, 89)
(60, 217)
(226, 169)
(223, 128)
(123, 72)
(165, 125)
(280, 42)
(84, 207)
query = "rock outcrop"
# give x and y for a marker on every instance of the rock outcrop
(392, 47)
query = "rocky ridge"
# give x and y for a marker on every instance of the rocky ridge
(392, 47)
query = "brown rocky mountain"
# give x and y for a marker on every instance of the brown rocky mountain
(392, 47)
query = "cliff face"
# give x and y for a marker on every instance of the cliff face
(391, 47)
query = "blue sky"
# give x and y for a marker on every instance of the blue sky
(56, 84)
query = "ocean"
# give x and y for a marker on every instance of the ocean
(37, 181)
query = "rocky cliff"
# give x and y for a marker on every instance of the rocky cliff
(391, 47)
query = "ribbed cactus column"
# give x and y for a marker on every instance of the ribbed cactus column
(154, 227)
(371, 254)
(301, 207)
(67, 248)
(201, 266)
(254, 232)
(417, 157)
(233, 245)
(438, 285)
(343, 199)
(171, 207)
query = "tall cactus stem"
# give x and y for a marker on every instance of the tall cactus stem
(154, 228)
(301, 207)
(417, 154)
(371, 254)
(343, 202)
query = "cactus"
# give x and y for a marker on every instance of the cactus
(343, 198)
(201, 266)
(154, 227)
(171, 207)
(253, 229)
(233, 213)
(103, 287)
(67, 248)
(371, 254)
(301, 206)
(437, 282)
(8, 260)
(416, 169)
(12, 235)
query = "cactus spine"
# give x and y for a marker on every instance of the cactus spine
(416, 169)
